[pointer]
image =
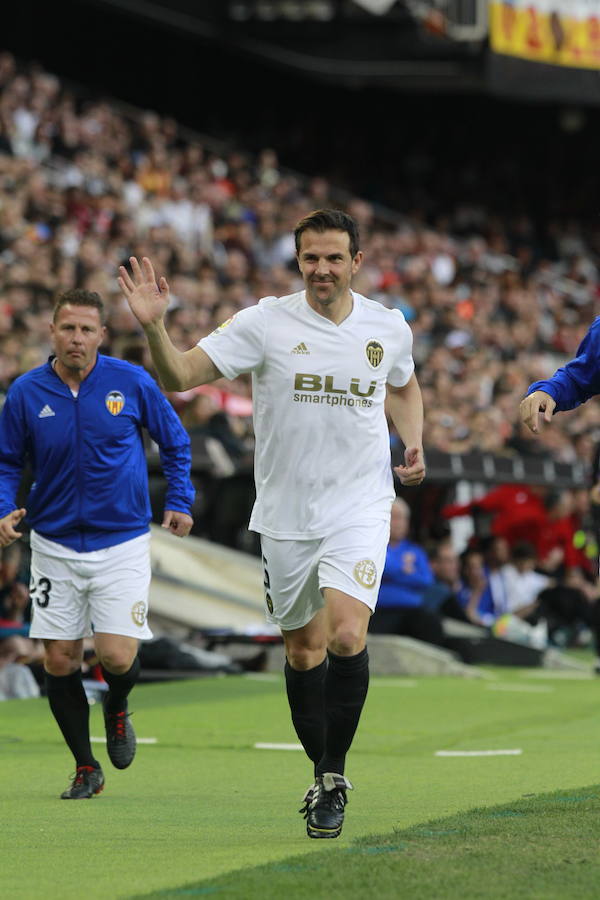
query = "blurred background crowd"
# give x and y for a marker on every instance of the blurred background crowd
(494, 299)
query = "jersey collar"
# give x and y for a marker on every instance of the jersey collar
(350, 318)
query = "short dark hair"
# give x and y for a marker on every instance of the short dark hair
(523, 550)
(328, 220)
(78, 297)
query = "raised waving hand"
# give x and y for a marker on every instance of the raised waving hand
(148, 299)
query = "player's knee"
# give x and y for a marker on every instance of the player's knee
(304, 656)
(60, 661)
(347, 639)
(117, 660)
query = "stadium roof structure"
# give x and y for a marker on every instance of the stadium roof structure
(408, 45)
(484, 47)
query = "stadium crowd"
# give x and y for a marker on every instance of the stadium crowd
(84, 184)
(494, 304)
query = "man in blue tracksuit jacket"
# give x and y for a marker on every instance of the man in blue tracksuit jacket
(77, 422)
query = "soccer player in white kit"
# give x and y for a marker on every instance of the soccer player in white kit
(324, 361)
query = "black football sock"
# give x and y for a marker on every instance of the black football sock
(70, 708)
(119, 687)
(305, 696)
(346, 686)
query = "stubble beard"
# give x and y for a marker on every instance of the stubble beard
(324, 301)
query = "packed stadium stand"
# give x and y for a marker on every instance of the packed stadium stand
(495, 301)
(490, 249)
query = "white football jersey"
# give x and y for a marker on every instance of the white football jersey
(322, 455)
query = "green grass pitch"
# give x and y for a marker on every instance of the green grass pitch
(203, 813)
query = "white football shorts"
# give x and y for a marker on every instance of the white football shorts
(296, 572)
(74, 595)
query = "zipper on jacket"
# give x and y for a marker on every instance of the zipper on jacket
(78, 468)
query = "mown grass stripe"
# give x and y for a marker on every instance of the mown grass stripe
(538, 848)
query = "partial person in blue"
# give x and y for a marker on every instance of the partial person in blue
(406, 577)
(570, 386)
(475, 593)
(76, 423)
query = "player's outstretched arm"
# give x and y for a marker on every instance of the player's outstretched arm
(149, 301)
(533, 405)
(405, 406)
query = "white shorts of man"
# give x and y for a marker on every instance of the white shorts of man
(100, 592)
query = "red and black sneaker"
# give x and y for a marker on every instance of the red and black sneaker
(120, 737)
(87, 782)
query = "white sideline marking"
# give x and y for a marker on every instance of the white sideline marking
(102, 740)
(478, 752)
(562, 674)
(278, 747)
(522, 688)
(261, 676)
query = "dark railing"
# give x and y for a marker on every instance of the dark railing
(491, 469)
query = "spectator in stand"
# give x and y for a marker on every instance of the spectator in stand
(496, 554)
(570, 606)
(554, 539)
(225, 485)
(475, 595)
(510, 511)
(522, 583)
(517, 513)
(442, 597)
(407, 575)
(206, 422)
(557, 608)
(16, 679)
(585, 536)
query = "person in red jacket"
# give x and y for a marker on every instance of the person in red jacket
(517, 511)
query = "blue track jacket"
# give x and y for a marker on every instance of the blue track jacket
(579, 379)
(90, 477)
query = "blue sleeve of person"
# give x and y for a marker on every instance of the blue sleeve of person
(578, 380)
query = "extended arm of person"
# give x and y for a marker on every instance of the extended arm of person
(12, 456)
(570, 386)
(149, 300)
(405, 407)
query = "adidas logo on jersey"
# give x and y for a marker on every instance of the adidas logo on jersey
(45, 412)
(301, 349)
